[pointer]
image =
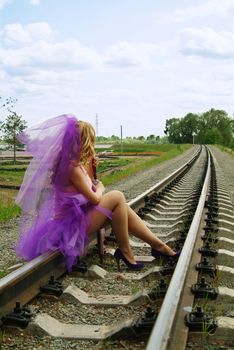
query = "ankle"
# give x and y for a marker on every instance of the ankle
(127, 252)
(159, 246)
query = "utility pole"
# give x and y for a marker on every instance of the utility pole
(121, 134)
(194, 134)
(96, 123)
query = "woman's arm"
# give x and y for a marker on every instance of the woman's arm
(91, 167)
(79, 181)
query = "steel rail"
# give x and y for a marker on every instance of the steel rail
(24, 283)
(139, 200)
(35, 273)
(161, 334)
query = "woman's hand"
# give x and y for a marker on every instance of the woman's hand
(79, 181)
(95, 161)
(91, 167)
(100, 186)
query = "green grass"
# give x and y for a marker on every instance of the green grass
(127, 167)
(119, 174)
(2, 273)
(225, 149)
(16, 177)
(11, 177)
(11, 162)
(8, 210)
(141, 147)
(112, 163)
(13, 167)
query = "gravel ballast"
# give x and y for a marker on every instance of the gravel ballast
(131, 187)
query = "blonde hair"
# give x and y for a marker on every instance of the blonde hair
(88, 137)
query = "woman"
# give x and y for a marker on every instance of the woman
(62, 207)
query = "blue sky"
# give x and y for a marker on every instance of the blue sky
(134, 63)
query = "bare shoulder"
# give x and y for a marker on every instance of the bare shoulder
(77, 171)
(78, 179)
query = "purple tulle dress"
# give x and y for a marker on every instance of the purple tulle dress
(53, 218)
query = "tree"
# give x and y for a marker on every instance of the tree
(173, 130)
(141, 138)
(213, 136)
(213, 126)
(11, 127)
(189, 125)
(150, 138)
(164, 140)
(114, 138)
(216, 119)
(7, 104)
(157, 139)
(101, 138)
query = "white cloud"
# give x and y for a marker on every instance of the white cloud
(18, 35)
(69, 76)
(35, 2)
(209, 8)
(115, 94)
(25, 48)
(65, 56)
(207, 43)
(3, 3)
(126, 54)
(225, 73)
(32, 2)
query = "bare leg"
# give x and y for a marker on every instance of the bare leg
(125, 220)
(138, 229)
(115, 202)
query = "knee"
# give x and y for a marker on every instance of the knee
(118, 196)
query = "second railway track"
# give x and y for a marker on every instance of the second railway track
(101, 308)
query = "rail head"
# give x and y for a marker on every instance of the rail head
(48, 263)
(160, 335)
(24, 283)
(137, 201)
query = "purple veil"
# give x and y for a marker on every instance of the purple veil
(54, 144)
(56, 140)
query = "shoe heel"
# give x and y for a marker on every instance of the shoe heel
(119, 256)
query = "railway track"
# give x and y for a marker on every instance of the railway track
(97, 307)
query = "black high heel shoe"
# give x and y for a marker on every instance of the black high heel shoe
(156, 253)
(119, 256)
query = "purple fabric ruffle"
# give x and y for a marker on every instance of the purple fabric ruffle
(65, 230)
(52, 219)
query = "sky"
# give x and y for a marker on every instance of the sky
(133, 63)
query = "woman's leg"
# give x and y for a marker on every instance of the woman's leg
(125, 220)
(138, 229)
(114, 201)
